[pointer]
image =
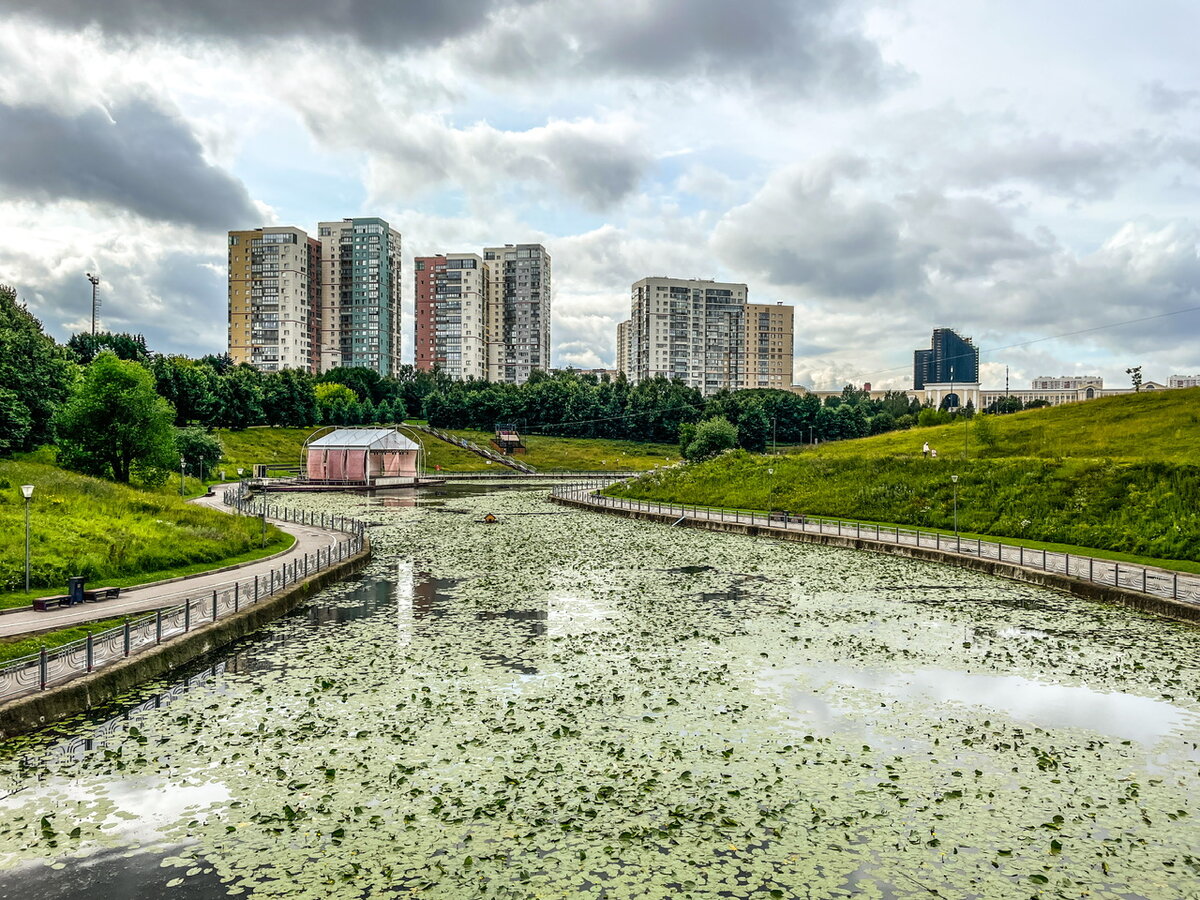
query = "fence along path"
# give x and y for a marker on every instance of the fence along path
(47, 668)
(1158, 582)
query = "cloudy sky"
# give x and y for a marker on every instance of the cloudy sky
(1016, 170)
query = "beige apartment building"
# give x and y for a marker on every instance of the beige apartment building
(518, 313)
(770, 331)
(274, 299)
(623, 346)
(706, 334)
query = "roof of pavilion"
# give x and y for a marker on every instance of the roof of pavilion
(363, 439)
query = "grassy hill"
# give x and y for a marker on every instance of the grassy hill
(1120, 474)
(110, 533)
(283, 446)
(1160, 425)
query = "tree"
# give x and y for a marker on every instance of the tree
(200, 449)
(239, 398)
(753, 429)
(35, 377)
(116, 422)
(713, 436)
(1135, 375)
(187, 386)
(289, 399)
(337, 403)
(86, 346)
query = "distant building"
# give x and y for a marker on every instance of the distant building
(951, 359)
(450, 320)
(706, 334)
(623, 333)
(1067, 382)
(275, 309)
(769, 342)
(518, 312)
(360, 295)
(1183, 381)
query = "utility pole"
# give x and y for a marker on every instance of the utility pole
(95, 280)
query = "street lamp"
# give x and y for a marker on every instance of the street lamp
(181, 469)
(27, 493)
(954, 479)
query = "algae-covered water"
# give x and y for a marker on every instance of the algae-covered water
(566, 704)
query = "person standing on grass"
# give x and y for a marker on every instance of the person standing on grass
(925, 449)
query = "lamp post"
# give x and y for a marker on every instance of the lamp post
(181, 469)
(27, 493)
(954, 479)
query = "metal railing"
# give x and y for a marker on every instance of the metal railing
(50, 667)
(1150, 580)
(475, 448)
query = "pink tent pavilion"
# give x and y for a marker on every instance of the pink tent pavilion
(361, 456)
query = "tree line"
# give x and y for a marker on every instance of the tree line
(116, 408)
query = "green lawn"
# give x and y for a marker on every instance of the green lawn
(1161, 425)
(283, 446)
(1119, 475)
(110, 533)
(562, 454)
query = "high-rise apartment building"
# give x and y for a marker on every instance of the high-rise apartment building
(360, 295)
(623, 347)
(690, 329)
(450, 324)
(518, 313)
(274, 299)
(769, 341)
(1066, 382)
(1183, 381)
(951, 358)
(706, 334)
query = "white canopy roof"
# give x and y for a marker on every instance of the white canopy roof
(363, 438)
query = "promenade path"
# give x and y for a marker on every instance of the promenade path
(142, 599)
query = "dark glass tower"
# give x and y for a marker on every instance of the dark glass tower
(952, 358)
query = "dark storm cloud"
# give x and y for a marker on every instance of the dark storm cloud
(379, 24)
(801, 48)
(135, 157)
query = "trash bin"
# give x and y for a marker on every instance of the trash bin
(75, 589)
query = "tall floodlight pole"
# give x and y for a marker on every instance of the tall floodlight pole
(27, 493)
(95, 280)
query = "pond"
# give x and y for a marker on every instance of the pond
(568, 704)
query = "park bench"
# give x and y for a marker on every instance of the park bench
(41, 604)
(96, 595)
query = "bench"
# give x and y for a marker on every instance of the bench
(41, 604)
(96, 595)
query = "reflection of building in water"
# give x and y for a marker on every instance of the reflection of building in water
(430, 607)
(365, 600)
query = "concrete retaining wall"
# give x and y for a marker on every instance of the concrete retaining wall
(37, 710)
(1162, 606)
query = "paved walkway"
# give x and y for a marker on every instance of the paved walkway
(141, 599)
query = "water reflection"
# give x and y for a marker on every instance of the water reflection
(1122, 716)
